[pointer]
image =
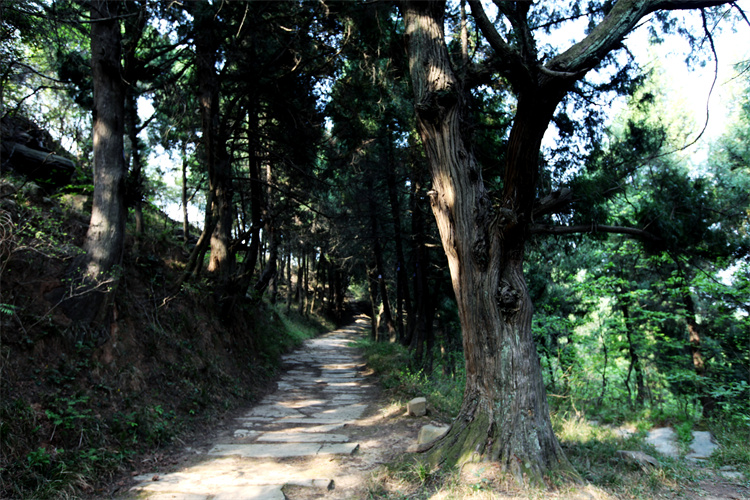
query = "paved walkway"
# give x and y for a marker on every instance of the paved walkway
(289, 438)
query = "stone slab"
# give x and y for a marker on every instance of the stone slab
(417, 407)
(283, 450)
(702, 446)
(297, 403)
(177, 495)
(317, 421)
(271, 492)
(245, 433)
(276, 450)
(301, 437)
(273, 411)
(347, 398)
(323, 428)
(254, 420)
(664, 440)
(324, 484)
(430, 433)
(348, 412)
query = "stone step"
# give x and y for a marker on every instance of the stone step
(301, 437)
(283, 450)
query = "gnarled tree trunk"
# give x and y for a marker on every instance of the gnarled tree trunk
(504, 416)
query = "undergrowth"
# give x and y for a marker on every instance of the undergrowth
(442, 387)
(589, 435)
(79, 407)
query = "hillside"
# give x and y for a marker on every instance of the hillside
(78, 404)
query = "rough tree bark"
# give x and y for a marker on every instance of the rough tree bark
(504, 415)
(96, 271)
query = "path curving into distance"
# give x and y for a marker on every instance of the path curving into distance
(291, 438)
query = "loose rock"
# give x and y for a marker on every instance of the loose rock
(417, 407)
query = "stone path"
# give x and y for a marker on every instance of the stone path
(664, 439)
(289, 437)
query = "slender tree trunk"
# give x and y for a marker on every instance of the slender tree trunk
(289, 288)
(97, 270)
(185, 215)
(424, 306)
(635, 359)
(372, 279)
(380, 267)
(131, 66)
(217, 158)
(271, 232)
(300, 279)
(605, 351)
(504, 415)
(257, 207)
(135, 181)
(341, 279)
(708, 403)
(403, 300)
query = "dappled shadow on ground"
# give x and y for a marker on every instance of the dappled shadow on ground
(319, 432)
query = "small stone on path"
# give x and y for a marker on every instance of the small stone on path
(430, 433)
(417, 407)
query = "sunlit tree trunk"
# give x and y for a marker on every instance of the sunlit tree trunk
(185, 215)
(504, 415)
(97, 270)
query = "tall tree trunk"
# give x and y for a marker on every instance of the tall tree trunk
(96, 270)
(134, 27)
(635, 359)
(708, 403)
(185, 215)
(424, 306)
(372, 280)
(504, 415)
(217, 158)
(289, 289)
(271, 232)
(134, 191)
(403, 300)
(341, 279)
(300, 279)
(380, 266)
(257, 207)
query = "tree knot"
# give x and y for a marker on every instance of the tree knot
(507, 298)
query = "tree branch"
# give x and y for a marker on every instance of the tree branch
(608, 35)
(553, 202)
(510, 62)
(594, 228)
